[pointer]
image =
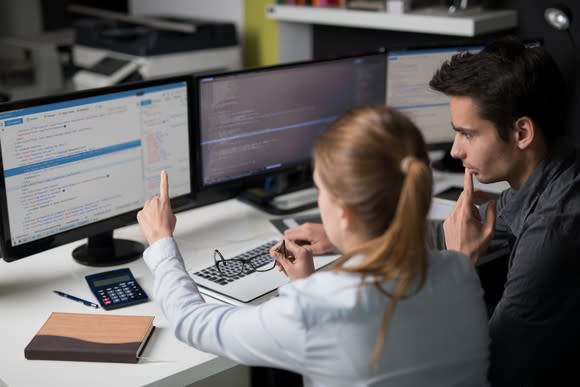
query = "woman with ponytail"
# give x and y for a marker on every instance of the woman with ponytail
(388, 313)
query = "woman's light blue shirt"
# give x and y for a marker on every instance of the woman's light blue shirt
(325, 326)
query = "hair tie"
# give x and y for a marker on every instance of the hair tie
(405, 162)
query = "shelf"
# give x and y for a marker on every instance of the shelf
(431, 20)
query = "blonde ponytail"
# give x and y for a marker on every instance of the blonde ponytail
(404, 243)
(384, 176)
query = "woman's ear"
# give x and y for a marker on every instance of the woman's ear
(347, 216)
(525, 132)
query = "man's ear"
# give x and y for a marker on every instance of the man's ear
(525, 132)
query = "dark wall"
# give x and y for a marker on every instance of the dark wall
(56, 16)
(330, 41)
(531, 14)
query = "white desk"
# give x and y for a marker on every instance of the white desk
(26, 300)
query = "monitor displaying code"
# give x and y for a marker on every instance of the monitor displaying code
(79, 161)
(408, 75)
(262, 121)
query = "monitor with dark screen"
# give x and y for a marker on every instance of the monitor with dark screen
(263, 122)
(82, 164)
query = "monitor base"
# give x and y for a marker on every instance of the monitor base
(282, 204)
(104, 250)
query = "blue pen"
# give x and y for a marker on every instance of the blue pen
(84, 302)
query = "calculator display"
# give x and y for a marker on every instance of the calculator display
(109, 281)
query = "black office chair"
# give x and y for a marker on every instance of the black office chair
(273, 377)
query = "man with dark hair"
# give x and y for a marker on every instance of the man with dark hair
(507, 109)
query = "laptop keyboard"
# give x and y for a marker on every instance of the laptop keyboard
(262, 257)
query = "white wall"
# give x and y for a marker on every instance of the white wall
(222, 10)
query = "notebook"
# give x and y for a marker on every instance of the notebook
(91, 337)
(253, 287)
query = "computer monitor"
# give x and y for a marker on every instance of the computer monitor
(82, 164)
(408, 74)
(263, 121)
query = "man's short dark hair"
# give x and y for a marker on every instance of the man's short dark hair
(508, 80)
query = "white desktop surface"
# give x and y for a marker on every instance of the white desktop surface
(26, 301)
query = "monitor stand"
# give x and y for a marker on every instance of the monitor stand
(448, 164)
(281, 200)
(287, 203)
(104, 250)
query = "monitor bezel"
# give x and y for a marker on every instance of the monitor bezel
(298, 168)
(11, 253)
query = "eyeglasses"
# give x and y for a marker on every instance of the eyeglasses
(235, 266)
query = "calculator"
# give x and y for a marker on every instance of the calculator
(116, 289)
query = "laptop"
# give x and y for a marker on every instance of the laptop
(252, 287)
